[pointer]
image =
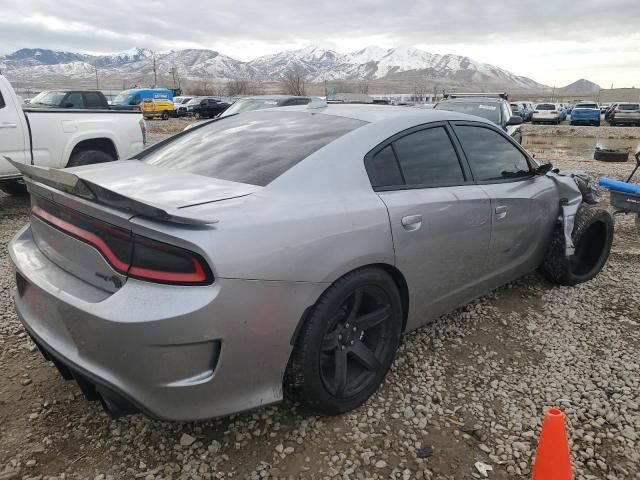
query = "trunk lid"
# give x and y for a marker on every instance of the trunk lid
(162, 187)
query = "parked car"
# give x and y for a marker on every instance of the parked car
(604, 107)
(547, 113)
(607, 112)
(493, 107)
(206, 107)
(230, 263)
(156, 108)
(93, 99)
(588, 113)
(264, 101)
(180, 105)
(131, 99)
(56, 138)
(625, 114)
(563, 111)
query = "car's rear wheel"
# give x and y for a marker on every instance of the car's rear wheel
(347, 343)
(592, 237)
(165, 115)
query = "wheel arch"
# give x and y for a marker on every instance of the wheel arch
(396, 275)
(102, 144)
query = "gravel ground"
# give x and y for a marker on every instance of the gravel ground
(470, 387)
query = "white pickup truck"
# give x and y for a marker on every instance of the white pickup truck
(60, 137)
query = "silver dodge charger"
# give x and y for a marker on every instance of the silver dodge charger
(284, 252)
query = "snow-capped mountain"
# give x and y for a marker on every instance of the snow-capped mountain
(318, 64)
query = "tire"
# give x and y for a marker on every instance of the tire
(13, 187)
(597, 123)
(607, 155)
(364, 349)
(89, 157)
(592, 236)
(165, 115)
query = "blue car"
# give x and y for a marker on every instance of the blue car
(131, 99)
(586, 113)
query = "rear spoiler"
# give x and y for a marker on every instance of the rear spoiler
(68, 182)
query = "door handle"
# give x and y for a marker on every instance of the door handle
(411, 222)
(8, 125)
(501, 211)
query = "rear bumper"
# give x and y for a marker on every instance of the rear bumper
(175, 353)
(628, 120)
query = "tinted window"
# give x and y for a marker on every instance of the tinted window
(493, 156)
(383, 169)
(1, 101)
(545, 106)
(256, 147)
(75, 99)
(586, 105)
(93, 100)
(628, 106)
(427, 157)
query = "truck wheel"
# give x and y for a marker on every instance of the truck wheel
(89, 157)
(13, 187)
(346, 344)
(165, 115)
(592, 237)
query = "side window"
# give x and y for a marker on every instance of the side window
(383, 169)
(74, 98)
(2, 104)
(427, 158)
(136, 100)
(493, 157)
(92, 100)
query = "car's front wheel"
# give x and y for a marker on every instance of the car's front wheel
(592, 237)
(346, 343)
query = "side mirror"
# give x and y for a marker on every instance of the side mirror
(514, 120)
(68, 105)
(544, 169)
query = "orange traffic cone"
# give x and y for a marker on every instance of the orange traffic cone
(552, 460)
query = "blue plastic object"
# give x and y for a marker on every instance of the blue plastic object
(619, 186)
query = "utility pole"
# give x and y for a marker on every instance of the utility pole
(95, 66)
(155, 76)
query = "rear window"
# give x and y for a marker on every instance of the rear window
(1, 101)
(254, 148)
(586, 105)
(629, 106)
(545, 106)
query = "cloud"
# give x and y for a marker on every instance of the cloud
(246, 29)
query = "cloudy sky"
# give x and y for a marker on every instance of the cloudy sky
(555, 42)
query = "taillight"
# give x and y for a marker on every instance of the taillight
(130, 254)
(616, 110)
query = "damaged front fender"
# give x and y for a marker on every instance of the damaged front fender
(574, 189)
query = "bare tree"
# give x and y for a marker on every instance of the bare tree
(293, 82)
(420, 93)
(363, 86)
(237, 86)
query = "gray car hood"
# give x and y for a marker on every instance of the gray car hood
(162, 187)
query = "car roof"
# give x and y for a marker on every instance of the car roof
(373, 113)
